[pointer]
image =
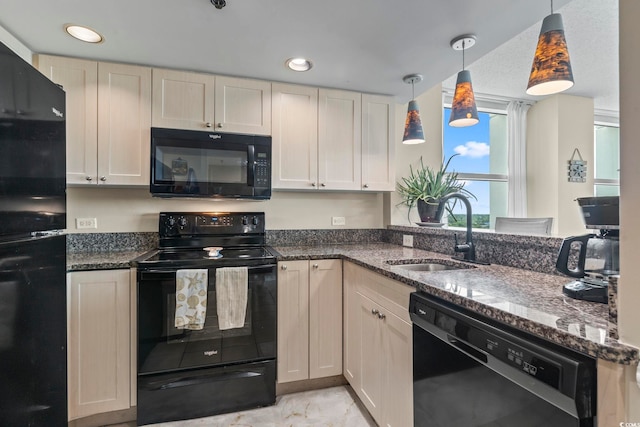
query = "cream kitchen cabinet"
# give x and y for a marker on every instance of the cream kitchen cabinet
(309, 319)
(108, 119)
(332, 140)
(339, 139)
(198, 101)
(295, 137)
(378, 358)
(100, 336)
(378, 147)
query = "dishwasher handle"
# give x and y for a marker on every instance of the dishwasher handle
(467, 348)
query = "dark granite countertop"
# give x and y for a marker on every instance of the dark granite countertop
(527, 300)
(82, 261)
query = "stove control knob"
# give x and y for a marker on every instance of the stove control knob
(171, 221)
(255, 220)
(245, 220)
(182, 222)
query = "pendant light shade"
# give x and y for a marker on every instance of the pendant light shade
(413, 133)
(551, 69)
(463, 107)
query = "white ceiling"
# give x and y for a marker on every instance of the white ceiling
(363, 45)
(591, 30)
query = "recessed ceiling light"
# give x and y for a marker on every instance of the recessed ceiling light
(299, 64)
(85, 34)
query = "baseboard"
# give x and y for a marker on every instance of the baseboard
(306, 385)
(126, 417)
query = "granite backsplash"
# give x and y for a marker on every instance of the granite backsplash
(527, 252)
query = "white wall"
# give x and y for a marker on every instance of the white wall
(430, 104)
(133, 209)
(629, 288)
(556, 126)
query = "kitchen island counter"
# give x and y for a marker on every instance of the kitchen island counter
(527, 300)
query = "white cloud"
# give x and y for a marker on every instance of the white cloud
(473, 149)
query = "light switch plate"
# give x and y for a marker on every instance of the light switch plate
(407, 240)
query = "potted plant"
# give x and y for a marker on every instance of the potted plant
(425, 187)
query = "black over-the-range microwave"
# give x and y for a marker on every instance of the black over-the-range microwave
(187, 163)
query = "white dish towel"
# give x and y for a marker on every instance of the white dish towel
(231, 296)
(191, 298)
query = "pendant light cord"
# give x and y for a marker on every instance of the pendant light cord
(413, 94)
(462, 54)
(552, 7)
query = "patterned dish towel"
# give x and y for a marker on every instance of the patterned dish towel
(231, 296)
(191, 298)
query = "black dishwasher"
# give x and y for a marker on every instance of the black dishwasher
(472, 371)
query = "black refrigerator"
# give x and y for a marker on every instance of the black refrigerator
(33, 337)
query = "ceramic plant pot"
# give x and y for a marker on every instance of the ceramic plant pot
(430, 211)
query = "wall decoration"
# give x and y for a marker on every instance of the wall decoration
(577, 168)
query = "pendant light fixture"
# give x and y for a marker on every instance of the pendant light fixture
(463, 107)
(413, 133)
(551, 69)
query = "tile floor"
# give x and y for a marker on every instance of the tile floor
(329, 407)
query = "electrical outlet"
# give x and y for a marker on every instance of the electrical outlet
(86, 223)
(407, 240)
(338, 220)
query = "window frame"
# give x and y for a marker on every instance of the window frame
(483, 177)
(605, 181)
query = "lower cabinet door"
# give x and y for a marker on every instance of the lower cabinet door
(99, 377)
(398, 350)
(325, 318)
(371, 357)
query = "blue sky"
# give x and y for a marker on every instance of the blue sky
(472, 143)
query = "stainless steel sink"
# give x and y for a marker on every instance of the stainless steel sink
(428, 265)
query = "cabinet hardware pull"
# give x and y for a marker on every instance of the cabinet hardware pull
(208, 124)
(374, 311)
(103, 178)
(284, 267)
(89, 178)
(313, 184)
(323, 185)
(219, 125)
(366, 186)
(381, 316)
(315, 265)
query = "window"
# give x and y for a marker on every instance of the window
(483, 164)
(607, 160)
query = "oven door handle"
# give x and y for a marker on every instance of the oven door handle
(200, 379)
(171, 274)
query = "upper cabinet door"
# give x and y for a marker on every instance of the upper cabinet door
(243, 106)
(183, 100)
(124, 124)
(295, 136)
(79, 79)
(378, 146)
(339, 139)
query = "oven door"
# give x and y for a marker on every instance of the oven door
(164, 348)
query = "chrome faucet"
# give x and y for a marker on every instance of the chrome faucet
(467, 248)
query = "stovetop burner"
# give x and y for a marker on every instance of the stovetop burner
(200, 254)
(189, 240)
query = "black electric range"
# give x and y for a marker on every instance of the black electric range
(184, 373)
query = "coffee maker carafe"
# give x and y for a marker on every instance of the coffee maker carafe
(592, 258)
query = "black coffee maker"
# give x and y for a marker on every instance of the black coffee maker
(592, 258)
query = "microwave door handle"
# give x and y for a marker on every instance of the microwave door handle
(251, 165)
